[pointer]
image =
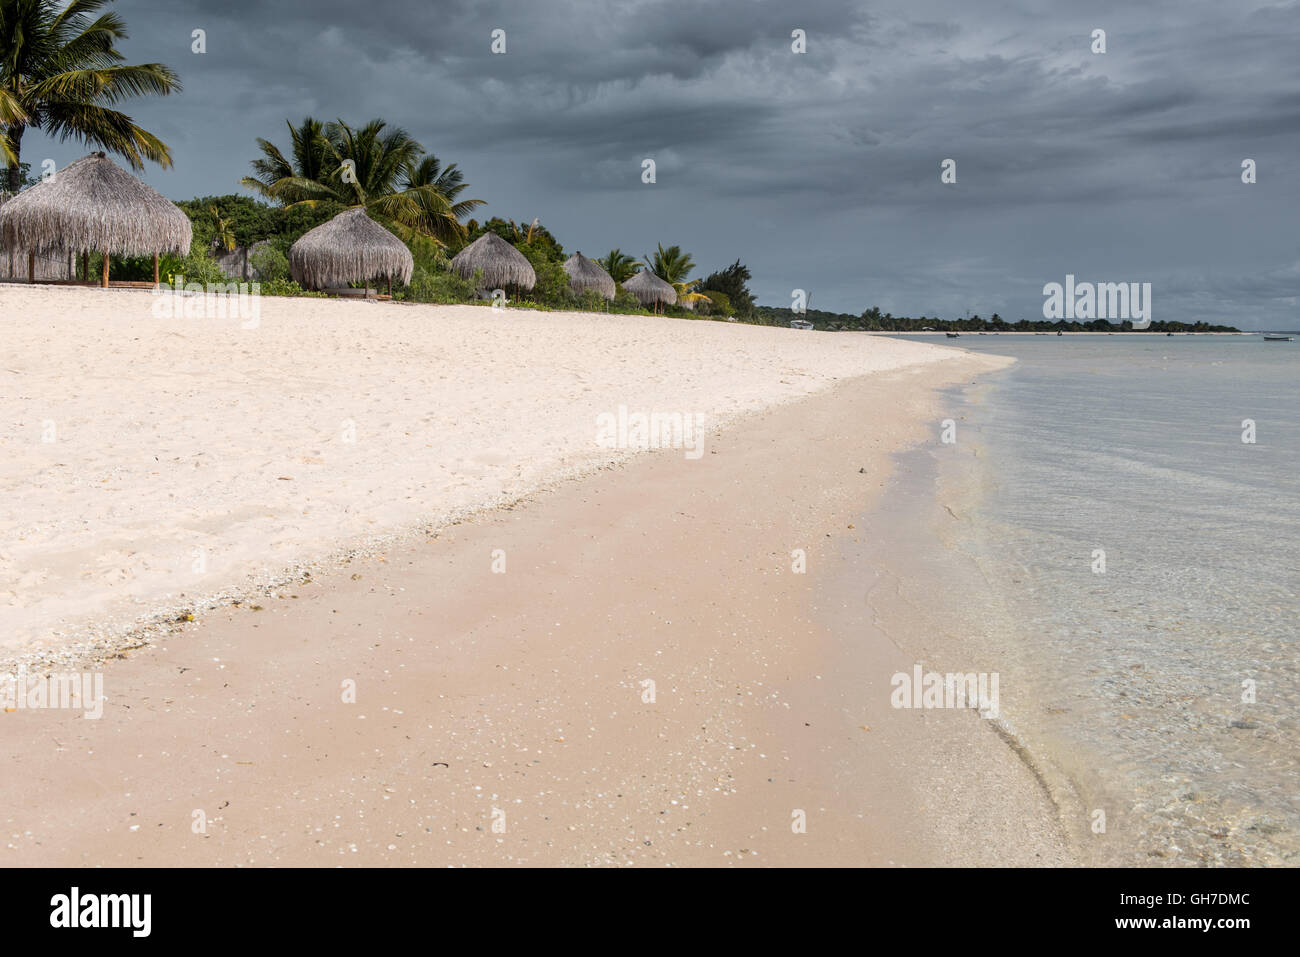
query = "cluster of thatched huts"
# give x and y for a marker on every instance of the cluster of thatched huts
(499, 265)
(93, 205)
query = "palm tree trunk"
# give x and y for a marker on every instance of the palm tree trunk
(15, 181)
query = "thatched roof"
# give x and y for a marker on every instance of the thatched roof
(585, 274)
(501, 264)
(93, 205)
(649, 288)
(350, 247)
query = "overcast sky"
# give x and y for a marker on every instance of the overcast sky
(818, 170)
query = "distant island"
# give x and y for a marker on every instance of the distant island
(873, 320)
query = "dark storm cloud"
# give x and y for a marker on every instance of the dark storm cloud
(821, 170)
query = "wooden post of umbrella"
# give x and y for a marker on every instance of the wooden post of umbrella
(390, 287)
(31, 266)
(85, 265)
(155, 270)
(105, 280)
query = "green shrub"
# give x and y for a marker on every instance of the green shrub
(287, 287)
(252, 220)
(271, 264)
(130, 269)
(626, 304)
(720, 304)
(198, 267)
(590, 301)
(552, 287)
(437, 285)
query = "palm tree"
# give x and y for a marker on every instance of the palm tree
(61, 73)
(11, 114)
(223, 237)
(434, 190)
(308, 158)
(525, 237)
(673, 266)
(380, 168)
(619, 265)
(450, 181)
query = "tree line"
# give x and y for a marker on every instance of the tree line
(873, 320)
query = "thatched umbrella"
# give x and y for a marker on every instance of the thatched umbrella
(349, 247)
(501, 264)
(94, 204)
(649, 288)
(585, 274)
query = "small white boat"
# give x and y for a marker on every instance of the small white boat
(1275, 338)
(800, 324)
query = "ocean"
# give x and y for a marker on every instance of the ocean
(1130, 506)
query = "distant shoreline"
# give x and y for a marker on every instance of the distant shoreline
(1064, 332)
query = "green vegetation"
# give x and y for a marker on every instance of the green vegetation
(731, 282)
(247, 221)
(271, 264)
(220, 220)
(873, 320)
(673, 266)
(619, 265)
(534, 234)
(381, 168)
(223, 237)
(61, 73)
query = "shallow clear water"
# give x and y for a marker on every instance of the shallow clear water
(1133, 446)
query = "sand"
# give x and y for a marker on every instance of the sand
(501, 714)
(149, 464)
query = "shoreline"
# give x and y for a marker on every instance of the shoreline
(1064, 332)
(521, 694)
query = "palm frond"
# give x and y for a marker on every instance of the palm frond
(61, 72)
(106, 85)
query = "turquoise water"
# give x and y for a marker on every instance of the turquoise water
(1134, 446)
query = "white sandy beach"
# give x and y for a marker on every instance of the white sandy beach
(149, 464)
